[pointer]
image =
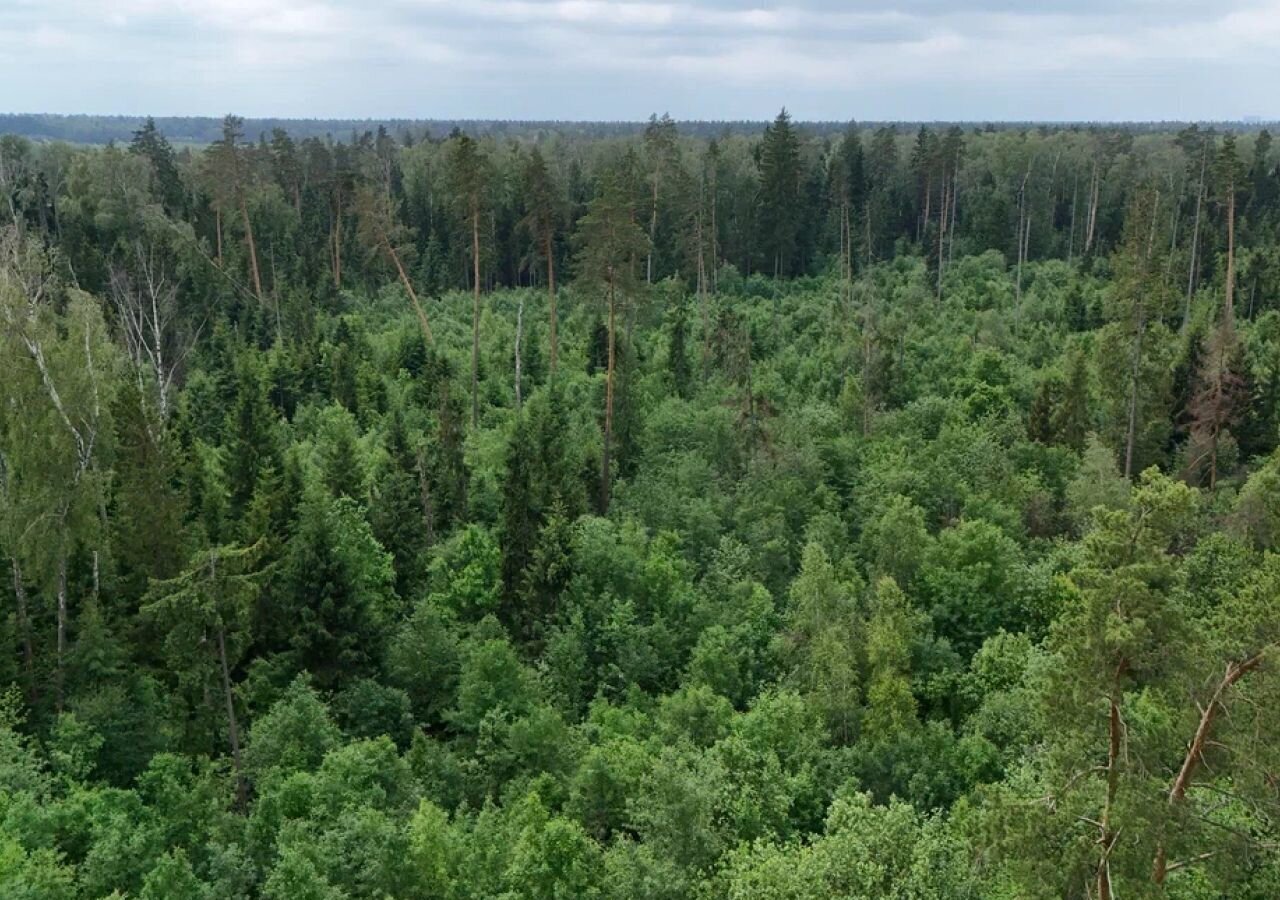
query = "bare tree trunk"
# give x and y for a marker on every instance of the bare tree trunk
(951, 228)
(427, 501)
(653, 227)
(475, 316)
(1022, 217)
(408, 286)
(1071, 237)
(217, 221)
(1132, 429)
(337, 238)
(253, 250)
(62, 630)
(1228, 310)
(1195, 241)
(1092, 217)
(1107, 837)
(942, 234)
(1194, 757)
(233, 727)
(24, 629)
(551, 298)
(606, 456)
(519, 334)
(715, 237)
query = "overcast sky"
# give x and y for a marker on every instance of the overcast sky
(615, 59)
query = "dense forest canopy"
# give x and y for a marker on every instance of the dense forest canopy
(640, 512)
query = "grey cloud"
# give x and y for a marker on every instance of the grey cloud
(610, 59)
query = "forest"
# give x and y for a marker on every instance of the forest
(655, 512)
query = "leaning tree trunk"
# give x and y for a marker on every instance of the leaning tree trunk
(1200, 741)
(408, 286)
(253, 250)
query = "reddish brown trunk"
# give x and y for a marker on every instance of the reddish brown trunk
(1194, 757)
(1107, 837)
(413, 295)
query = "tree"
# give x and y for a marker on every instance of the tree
(469, 181)
(542, 219)
(58, 368)
(206, 615)
(609, 242)
(780, 197)
(1229, 176)
(149, 143)
(381, 232)
(662, 150)
(233, 177)
(845, 188)
(1139, 297)
(1216, 401)
(1115, 641)
(1197, 146)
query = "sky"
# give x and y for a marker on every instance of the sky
(977, 60)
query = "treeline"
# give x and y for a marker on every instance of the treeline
(786, 202)
(878, 514)
(203, 130)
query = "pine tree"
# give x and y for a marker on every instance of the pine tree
(470, 177)
(609, 243)
(542, 220)
(149, 143)
(780, 193)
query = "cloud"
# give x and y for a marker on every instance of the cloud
(967, 59)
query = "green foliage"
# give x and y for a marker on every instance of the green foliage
(839, 554)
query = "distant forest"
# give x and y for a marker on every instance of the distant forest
(88, 129)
